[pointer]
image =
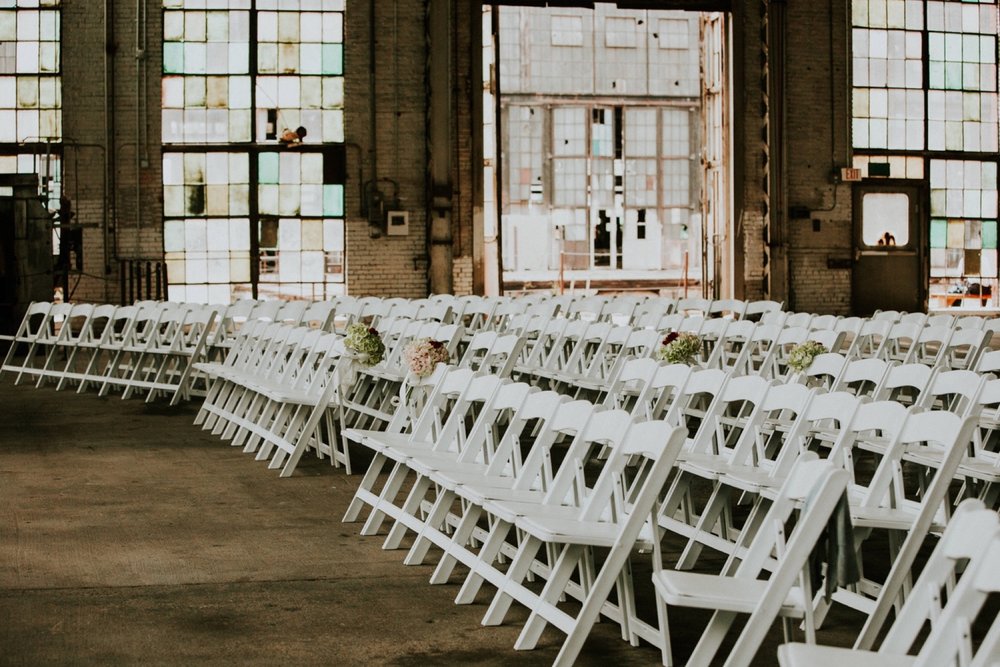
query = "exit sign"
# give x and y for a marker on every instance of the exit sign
(850, 174)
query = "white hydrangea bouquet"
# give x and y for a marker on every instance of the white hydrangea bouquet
(802, 355)
(680, 348)
(365, 342)
(423, 354)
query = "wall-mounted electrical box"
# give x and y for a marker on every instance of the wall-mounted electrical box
(397, 223)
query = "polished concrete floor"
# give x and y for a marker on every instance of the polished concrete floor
(129, 536)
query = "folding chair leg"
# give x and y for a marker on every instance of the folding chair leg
(487, 554)
(459, 538)
(519, 567)
(554, 587)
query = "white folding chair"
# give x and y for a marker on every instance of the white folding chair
(970, 549)
(815, 486)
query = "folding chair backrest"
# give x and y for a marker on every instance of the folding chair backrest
(956, 391)
(825, 370)
(965, 348)
(969, 536)
(904, 383)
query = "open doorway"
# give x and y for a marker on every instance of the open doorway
(607, 149)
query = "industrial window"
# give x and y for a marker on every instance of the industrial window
(674, 34)
(569, 164)
(524, 158)
(925, 108)
(253, 131)
(567, 30)
(31, 93)
(620, 32)
(963, 234)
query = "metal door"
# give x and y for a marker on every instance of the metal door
(889, 250)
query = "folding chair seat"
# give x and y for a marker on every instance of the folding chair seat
(814, 488)
(75, 328)
(969, 552)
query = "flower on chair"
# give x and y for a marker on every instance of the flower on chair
(802, 355)
(366, 342)
(680, 348)
(423, 354)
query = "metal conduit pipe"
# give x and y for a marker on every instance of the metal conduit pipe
(110, 165)
(140, 111)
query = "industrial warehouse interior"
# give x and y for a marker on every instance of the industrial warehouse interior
(436, 332)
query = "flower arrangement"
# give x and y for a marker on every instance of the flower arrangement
(423, 354)
(680, 348)
(802, 355)
(366, 342)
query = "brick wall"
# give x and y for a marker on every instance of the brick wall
(108, 186)
(818, 101)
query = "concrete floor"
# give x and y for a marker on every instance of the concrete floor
(129, 536)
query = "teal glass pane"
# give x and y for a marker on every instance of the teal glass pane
(989, 234)
(333, 200)
(268, 168)
(333, 59)
(173, 58)
(939, 233)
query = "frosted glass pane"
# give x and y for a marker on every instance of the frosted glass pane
(239, 235)
(885, 212)
(173, 235)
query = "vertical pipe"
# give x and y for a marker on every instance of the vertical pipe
(140, 112)
(110, 164)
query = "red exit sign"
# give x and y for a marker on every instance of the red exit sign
(850, 174)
